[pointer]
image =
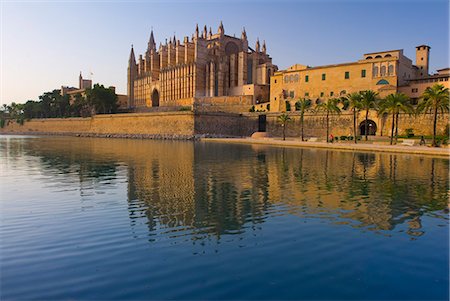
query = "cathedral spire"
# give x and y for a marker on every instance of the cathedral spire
(244, 35)
(221, 29)
(264, 47)
(151, 42)
(132, 57)
(257, 45)
(196, 30)
(204, 32)
(210, 33)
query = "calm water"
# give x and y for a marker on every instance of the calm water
(107, 219)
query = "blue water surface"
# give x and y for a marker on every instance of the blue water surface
(113, 219)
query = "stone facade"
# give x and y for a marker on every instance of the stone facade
(207, 65)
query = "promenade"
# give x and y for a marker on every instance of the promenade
(361, 146)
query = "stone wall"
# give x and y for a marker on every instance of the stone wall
(171, 124)
(342, 125)
(225, 124)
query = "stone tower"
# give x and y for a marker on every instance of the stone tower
(132, 72)
(422, 60)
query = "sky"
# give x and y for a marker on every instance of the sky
(45, 44)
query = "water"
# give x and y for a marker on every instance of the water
(100, 219)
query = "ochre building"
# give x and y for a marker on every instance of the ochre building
(384, 72)
(203, 67)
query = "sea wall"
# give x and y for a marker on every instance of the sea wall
(342, 125)
(167, 124)
(187, 124)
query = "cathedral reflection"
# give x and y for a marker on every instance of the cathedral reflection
(217, 189)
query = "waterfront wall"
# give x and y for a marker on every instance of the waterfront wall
(169, 124)
(188, 124)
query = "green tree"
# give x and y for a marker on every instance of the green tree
(302, 105)
(103, 100)
(284, 119)
(434, 99)
(353, 101)
(369, 100)
(394, 104)
(329, 107)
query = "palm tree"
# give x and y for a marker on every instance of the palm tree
(435, 99)
(330, 106)
(284, 119)
(353, 101)
(394, 104)
(368, 101)
(302, 105)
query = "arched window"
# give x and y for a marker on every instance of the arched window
(291, 78)
(343, 92)
(383, 71)
(296, 78)
(382, 82)
(391, 70)
(375, 71)
(286, 79)
(369, 58)
(388, 55)
(378, 57)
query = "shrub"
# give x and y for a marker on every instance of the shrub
(252, 109)
(343, 138)
(20, 120)
(358, 138)
(350, 138)
(187, 108)
(2, 122)
(336, 138)
(446, 130)
(409, 133)
(268, 107)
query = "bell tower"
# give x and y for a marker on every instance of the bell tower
(422, 59)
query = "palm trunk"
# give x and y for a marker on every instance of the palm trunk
(284, 131)
(366, 126)
(392, 128)
(434, 126)
(328, 127)
(354, 124)
(301, 124)
(396, 127)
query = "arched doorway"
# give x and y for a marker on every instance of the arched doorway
(371, 128)
(155, 98)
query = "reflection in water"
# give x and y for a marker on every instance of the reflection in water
(215, 189)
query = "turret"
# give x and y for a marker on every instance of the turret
(80, 81)
(131, 76)
(257, 45)
(205, 31)
(264, 47)
(221, 30)
(244, 35)
(210, 33)
(196, 31)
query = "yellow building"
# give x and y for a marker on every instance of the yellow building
(384, 72)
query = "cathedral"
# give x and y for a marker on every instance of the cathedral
(203, 67)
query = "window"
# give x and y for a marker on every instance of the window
(382, 82)
(291, 78)
(421, 58)
(306, 94)
(383, 71)
(331, 93)
(363, 73)
(391, 70)
(306, 78)
(375, 71)
(286, 79)
(347, 75)
(291, 94)
(324, 76)
(321, 94)
(343, 92)
(275, 81)
(296, 78)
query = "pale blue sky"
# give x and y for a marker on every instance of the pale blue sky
(45, 44)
